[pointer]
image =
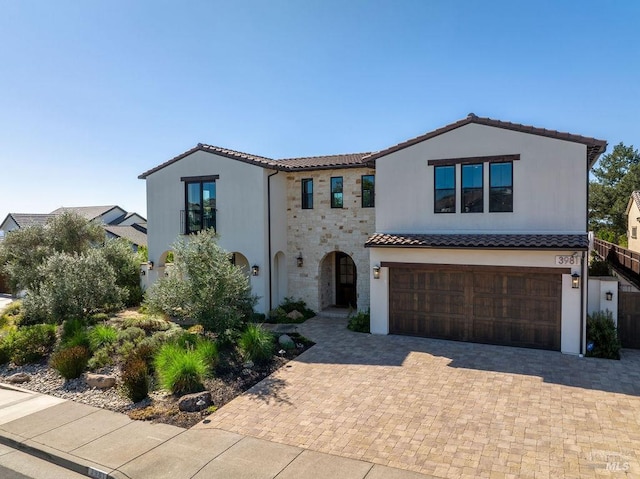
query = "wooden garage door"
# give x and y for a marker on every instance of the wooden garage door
(478, 304)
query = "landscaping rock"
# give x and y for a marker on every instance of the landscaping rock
(295, 315)
(248, 365)
(195, 402)
(100, 381)
(246, 372)
(18, 378)
(286, 342)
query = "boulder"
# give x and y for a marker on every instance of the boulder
(18, 378)
(286, 342)
(100, 381)
(295, 315)
(195, 402)
(248, 365)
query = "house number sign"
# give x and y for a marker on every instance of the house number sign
(565, 259)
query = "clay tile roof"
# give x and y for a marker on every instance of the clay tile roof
(594, 147)
(23, 220)
(484, 241)
(324, 162)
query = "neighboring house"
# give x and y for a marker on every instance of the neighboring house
(633, 221)
(476, 231)
(117, 222)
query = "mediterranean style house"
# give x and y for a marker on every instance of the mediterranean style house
(476, 231)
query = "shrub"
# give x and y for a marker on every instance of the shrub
(102, 335)
(126, 349)
(148, 323)
(12, 314)
(97, 318)
(204, 286)
(135, 379)
(599, 268)
(360, 322)
(120, 256)
(290, 304)
(133, 334)
(256, 344)
(183, 370)
(70, 362)
(602, 336)
(31, 343)
(101, 358)
(74, 333)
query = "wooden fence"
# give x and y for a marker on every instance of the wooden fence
(617, 255)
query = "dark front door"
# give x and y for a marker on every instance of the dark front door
(345, 281)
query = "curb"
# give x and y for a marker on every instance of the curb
(59, 458)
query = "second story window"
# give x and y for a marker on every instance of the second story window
(634, 232)
(501, 187)
(472, 197)
(307, 193)
(445, 189)
(368, 191)
(200, 205)
(336, 192)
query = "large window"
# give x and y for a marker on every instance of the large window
(200, 205)
(472, 197)
(445, 189)
(336, 192)
(307, 193)
(368, 191)
(501, 187)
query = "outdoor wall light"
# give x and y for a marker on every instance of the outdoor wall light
(575, 280)
(300, 261)
(255, 270)
(150, 265)
(608, 295)
(376, 272)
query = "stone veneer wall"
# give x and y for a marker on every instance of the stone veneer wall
(319, 231)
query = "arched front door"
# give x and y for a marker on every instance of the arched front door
(346, 295)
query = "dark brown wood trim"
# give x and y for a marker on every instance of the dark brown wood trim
(473, 267)
(200, 178)
(473, 159)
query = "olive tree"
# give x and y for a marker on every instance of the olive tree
(204, 286)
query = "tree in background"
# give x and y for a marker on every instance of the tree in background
(204, 286)
(616, 176)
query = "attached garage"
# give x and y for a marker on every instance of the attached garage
(486, 304)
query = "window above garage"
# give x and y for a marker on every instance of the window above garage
(473, 188)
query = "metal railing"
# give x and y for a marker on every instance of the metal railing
(200, 223)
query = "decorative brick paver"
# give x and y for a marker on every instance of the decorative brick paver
(449, 409)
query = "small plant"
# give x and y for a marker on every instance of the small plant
(598, 267)
(360, 322)
(602, 336)
(70, 362)
(101, 335)
(12, 315)
(126, 349)
(101, 358)
(74, 333)
(256, 344)
(291, 304)
(148, 323)
(133, 334)
(135, 379)
(98, 318)
(30, 344)
(182, 370)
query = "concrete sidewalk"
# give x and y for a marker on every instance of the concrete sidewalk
(105, 444)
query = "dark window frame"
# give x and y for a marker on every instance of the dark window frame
(492, 188)
(334, 203)
(306, 199)
(372, 194)
(464, 191)
(436, 189)
(201, 181)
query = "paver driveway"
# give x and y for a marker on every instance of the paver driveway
(449, 409)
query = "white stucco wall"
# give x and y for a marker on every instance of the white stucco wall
(241, 218)
(597, 296)
(549, 183)
(571, 298)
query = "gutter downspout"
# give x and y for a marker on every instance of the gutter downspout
(269, 233)
(585, 287)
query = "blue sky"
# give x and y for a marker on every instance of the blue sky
(94, 93)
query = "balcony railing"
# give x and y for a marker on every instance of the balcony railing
(193, 221)
(618, 255)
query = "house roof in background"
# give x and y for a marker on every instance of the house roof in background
(24, 220)
(88, 212)
(634, 198)
(481, 241)
(137, 235)
(594, 147)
